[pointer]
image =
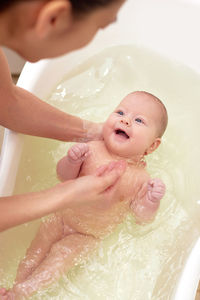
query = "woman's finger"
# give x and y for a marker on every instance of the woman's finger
(110, 174)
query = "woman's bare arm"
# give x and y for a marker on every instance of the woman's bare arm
(18, 209)
(23, 112)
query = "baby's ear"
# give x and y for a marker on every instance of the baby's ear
(53, 16)
(154, 146)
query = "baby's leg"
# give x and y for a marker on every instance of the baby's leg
(60, 259)
(49, 232)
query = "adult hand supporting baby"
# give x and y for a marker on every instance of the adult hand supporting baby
(18, 209)
(99, 187)
(59, 28)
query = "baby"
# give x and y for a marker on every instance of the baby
(130, 133)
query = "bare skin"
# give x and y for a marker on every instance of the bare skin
(77, 230)
(50, 29)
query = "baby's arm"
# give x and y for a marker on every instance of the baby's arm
(147, 201)
(69, 166)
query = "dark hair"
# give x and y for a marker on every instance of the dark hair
(78, 6)
(5, 4)
(84, 6)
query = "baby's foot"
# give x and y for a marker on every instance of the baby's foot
(3, 292)
(6, 294)
(156, 190)
(78, 153)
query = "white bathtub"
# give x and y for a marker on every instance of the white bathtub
(169, 27)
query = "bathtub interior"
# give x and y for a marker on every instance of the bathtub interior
(173, 75)
(41, 73)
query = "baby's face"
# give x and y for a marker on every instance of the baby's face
(131, 130)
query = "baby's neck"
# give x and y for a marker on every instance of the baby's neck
(133, 161)
(136, 161)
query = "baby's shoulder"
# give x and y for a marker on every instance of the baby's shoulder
(139, 175)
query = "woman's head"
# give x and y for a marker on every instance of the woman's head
(53, 27)
(78, 6)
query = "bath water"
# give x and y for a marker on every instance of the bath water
(135, 262)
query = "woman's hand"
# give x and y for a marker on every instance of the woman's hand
(87, 190)
(97, 189)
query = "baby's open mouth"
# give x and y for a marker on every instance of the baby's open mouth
(121, 133)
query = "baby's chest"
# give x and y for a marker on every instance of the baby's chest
(98, 156)
(126, 186)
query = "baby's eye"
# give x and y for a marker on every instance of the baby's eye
(138, 120)
(120, 112)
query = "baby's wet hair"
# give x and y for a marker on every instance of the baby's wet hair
(78, 6)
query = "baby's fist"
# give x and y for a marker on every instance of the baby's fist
(156, 189)
(78, 153)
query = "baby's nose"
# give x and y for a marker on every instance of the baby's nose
(126, 121)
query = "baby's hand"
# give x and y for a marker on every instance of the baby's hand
(155, 190)
(78, 153)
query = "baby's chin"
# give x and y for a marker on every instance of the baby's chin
(118, 150)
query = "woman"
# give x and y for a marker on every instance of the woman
(38, 29)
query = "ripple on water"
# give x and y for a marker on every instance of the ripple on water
(134, 261)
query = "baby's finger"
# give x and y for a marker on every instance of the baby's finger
(155, 196)
(160, 188)
(77, 151)
(83, 148)
(151, 182)
(157, 181)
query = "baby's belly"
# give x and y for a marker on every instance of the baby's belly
(98, 223)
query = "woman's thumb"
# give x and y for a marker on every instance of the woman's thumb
(110, 173)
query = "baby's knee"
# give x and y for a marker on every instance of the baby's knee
(75, 243)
